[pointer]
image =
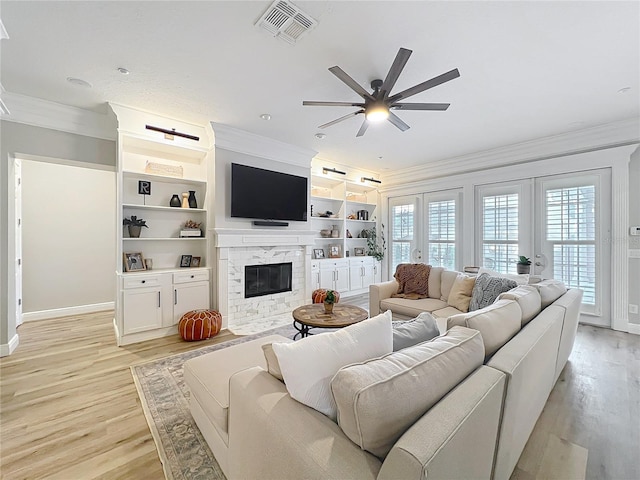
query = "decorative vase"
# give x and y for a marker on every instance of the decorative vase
(523, 268)
(134, 231)
(193, 203)
(335, 233)
(175, 201)
(185, 200)
(328, 307)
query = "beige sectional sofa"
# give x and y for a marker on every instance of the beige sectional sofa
(472, 425)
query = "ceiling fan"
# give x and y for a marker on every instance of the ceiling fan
(378, 104)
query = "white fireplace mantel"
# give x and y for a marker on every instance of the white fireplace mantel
(231, 237)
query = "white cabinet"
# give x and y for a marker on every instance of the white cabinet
(153, 303)
(315, 276)
(143, 308)
(334, 275)
(363, 272)
(189, 296)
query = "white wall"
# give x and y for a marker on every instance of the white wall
(68, 236)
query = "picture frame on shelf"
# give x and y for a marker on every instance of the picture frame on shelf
(195, 262)
(358, 252)
(185, 261)
(318, 253)
(335, 250)
(134, 262)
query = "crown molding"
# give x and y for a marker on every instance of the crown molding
(55, 116)
(236, 140)
(625, 132)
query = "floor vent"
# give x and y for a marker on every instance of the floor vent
(286, 21)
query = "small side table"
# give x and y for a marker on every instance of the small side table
(314, 316)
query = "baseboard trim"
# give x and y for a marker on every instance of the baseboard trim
(634, 328)
(67, 311)
(7, 349)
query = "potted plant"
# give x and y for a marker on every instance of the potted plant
(524, 264)
(374, 248)
(135, 225)
(329, 300)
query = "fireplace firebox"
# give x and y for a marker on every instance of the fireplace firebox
(266, 279)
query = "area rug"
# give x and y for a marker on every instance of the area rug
(183, 451)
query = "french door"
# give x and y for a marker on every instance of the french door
(425, 228)
(556, 221)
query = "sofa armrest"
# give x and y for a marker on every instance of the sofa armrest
(272, 436)
(378, 292)
(445, 442)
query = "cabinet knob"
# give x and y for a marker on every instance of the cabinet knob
(192, 276)
(143, 281)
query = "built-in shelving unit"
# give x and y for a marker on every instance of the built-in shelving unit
(150, 302)
(354, 209)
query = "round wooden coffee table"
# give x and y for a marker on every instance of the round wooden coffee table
(313, 316)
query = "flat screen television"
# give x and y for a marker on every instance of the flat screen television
(267, 195)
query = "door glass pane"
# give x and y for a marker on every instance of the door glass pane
(571, 229)
(442, 233)
(500, 232)
(402, 234)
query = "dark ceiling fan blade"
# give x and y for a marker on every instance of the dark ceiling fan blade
(394, 72)
(398, 122)
(351, 83)
(337, 120)
(434, 82)
(331, 104)
(421, 106)
(363, 128)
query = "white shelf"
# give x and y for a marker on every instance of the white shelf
(158, 207)
(162, 178)
(326, 218)
(361, 204)
(355, 220)
(161, 239)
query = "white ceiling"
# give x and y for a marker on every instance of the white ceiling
(528, 69)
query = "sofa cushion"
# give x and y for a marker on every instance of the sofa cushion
(448, 277)
(446, 312)
(497, 323)
(413, 280)
(309, 364)
(207, 376)
(273, 367)
(487, 289)
(411, 308)
(378, 400)
(435, 279)
(519, 278)
(529, 300)
(412, 332)
(460, 294)
(550, 291)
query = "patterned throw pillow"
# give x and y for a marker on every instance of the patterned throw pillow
(487, 289)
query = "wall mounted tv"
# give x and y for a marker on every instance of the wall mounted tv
(267, 195)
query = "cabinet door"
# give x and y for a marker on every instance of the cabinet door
(142, 309)
(327, 278)
(189, 296)
(377, 272)
(368, 274)
(342, 278)
(355, 277)
(315, 276)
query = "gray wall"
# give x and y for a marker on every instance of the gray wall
(16, 139)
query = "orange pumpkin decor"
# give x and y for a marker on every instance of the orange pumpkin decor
(320, 294)
(200, 325)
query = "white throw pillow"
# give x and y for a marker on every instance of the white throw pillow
(521, 279)
(308, 365)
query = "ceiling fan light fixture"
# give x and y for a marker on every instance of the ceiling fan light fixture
(378, 112)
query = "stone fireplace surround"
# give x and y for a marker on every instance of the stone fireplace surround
(237, 248)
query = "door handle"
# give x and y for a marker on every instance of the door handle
(175, 296)
(158, 299)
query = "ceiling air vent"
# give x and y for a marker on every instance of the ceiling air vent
(286, 21)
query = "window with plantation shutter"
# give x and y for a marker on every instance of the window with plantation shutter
(500, 234)
(401, 233)
(441, 236)
(571, 230)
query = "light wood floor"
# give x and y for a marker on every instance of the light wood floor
(69, 408)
